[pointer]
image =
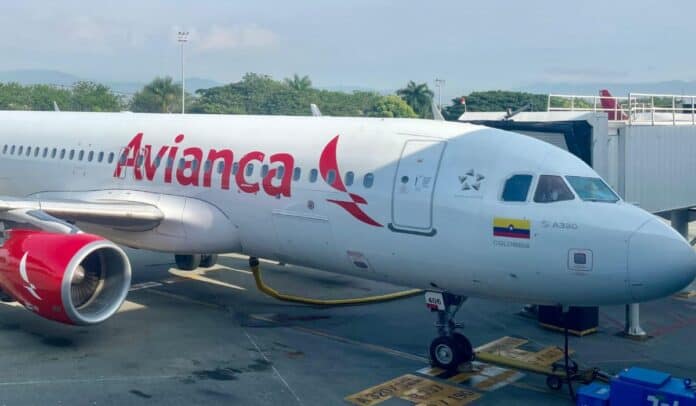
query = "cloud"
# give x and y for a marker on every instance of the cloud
(219, 38)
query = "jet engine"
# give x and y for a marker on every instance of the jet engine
(70, 278)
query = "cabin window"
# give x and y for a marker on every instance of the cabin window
(280, 172)
(194, 164)
(12, 150)
(207, 165)
(313, 175)
(331, 177)
(141, 159)
(54, 151)
(20, 150)
(181, 164)
(4, 149)
(111, 157)
(552, 189)
(296, 173)
(90, 156)
(72, 155)
(158, 161)
(221, 167)
(45, 152)
(28, 150)
(368, 180)
(348, 180)
(516, 188)
(235, 168)
(81, 155)
(124, 158)
(249, 169)
(100, 156)
(264, 171)
(62, 153)
(170, 162)
(36, 152)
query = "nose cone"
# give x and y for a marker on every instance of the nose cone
(660, 261)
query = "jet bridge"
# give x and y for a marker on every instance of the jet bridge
(643, 145)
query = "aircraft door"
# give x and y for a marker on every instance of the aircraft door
(414, 186)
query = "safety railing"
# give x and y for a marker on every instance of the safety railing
(637, 108)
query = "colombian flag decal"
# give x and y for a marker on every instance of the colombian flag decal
(511, 228)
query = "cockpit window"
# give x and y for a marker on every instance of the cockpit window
(552, 189)
(516, 188)
(592, 189)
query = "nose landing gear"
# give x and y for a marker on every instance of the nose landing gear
(451, 348)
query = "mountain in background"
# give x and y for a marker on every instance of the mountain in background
(617, 89)
(57, 78)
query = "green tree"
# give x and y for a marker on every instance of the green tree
(391, 106)
(299, 83)
(419, 97)
(161, 95)
(14, 96)
(90, 96)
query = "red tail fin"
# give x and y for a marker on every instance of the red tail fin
(611, 106)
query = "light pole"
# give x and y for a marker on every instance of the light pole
(182, 37)
(439, 83)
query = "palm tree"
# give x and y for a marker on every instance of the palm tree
(161, 95)
(299, 83)
(418, 96)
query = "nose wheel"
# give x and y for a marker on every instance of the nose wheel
(451, 348)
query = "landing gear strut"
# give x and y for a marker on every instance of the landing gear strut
(450, 348)
(191, 262)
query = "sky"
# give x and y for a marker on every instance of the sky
(377, 44)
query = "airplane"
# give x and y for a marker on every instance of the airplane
(455, 209)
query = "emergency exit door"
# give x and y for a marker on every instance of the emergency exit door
(414, 186)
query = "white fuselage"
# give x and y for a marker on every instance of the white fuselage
(413, 202)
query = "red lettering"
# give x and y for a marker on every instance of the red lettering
(150, 165)
(240, 177)
(192, 165)
(283, 188)
(129, 156)
(170, 159)
(227, 159)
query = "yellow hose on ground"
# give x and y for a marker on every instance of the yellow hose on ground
(256, 271)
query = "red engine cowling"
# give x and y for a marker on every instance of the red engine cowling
(71, 278)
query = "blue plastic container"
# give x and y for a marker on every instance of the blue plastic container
(640, 386)
(594, 394)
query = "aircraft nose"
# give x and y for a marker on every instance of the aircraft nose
(660, 261)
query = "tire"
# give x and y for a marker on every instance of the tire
(209, 260)
(187, 262)
(445, 353)
(465, 347)
(554, 382)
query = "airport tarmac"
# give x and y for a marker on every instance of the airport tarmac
(211, 338)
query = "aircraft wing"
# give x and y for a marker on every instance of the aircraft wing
(47, 214)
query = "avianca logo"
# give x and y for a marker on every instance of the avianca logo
(329, 162)
(277, 182)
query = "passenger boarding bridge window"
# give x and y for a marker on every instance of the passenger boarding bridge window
(516, 188)
(368, 180)
(552, 189)
(313, 175)
(296, 174)
(592, 189)
(350, 176)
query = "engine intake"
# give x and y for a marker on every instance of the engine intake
(70, 278)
